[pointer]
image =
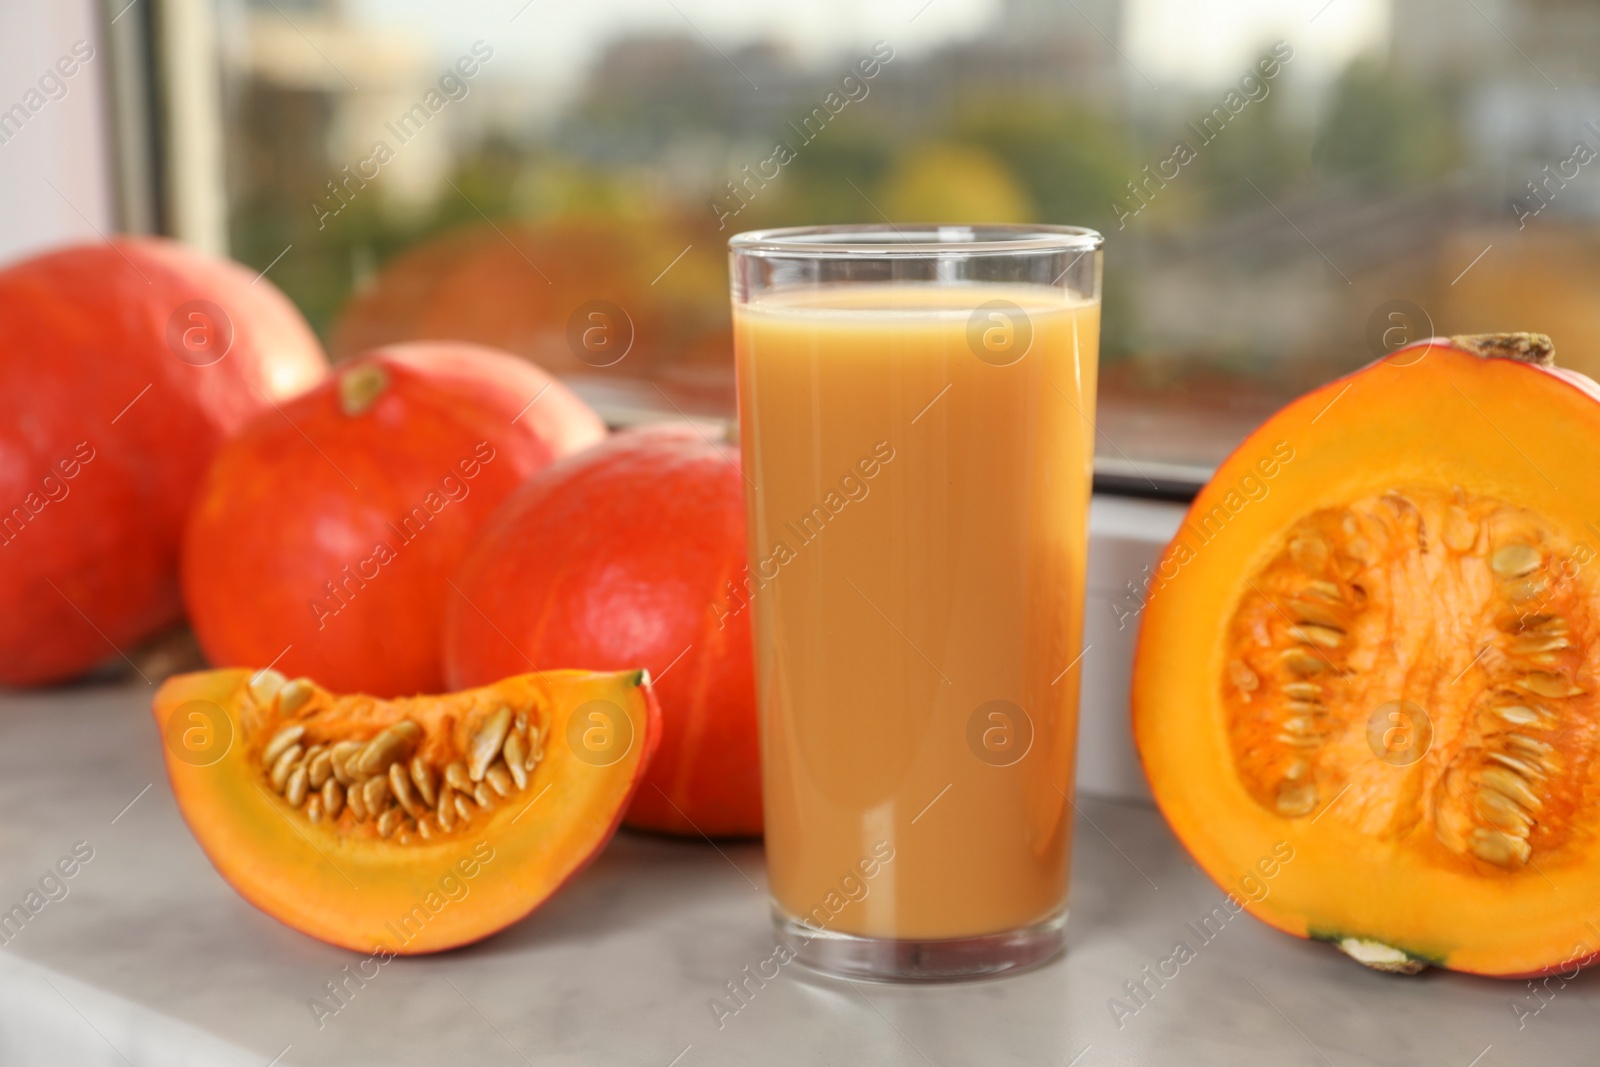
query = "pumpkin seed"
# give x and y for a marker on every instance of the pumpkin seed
(332, 798)
(340, 755)
(484, 796)
(1320, 636)
(389, 821)
(1317, 613)
(1538, 642)
(264, 685)
(486, 741)
(464, 807)
(400, 785)
(1302, 690)
(456, 775)
(515, 752)
(498, 777)
(1504, 813)
(1499, 848)
(280, 743)
(374, 794)
(1526, 768)
(1296, 798)
(1517, 715)
(1529, 746)
(293, 696)
(1513, 561)
(392, 744)
(294, 790)
(321, 768)
(1547, 684)
(1326, 590)
(1303, 663)
(285, 764)
(355, 797)
(446, 808)
(1512, 784)
(422, 778)
(314, 809)
(425, 828)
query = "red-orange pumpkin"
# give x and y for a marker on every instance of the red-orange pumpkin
(630, 555)
(125, 365)
(325, 534)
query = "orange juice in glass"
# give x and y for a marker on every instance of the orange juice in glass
(916, 414)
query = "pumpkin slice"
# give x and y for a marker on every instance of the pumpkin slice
(408, 825)
(1367, 690)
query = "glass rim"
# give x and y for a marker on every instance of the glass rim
(884, 239)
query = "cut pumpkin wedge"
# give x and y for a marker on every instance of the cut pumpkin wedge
(411, 825)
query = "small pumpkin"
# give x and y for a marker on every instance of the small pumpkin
(128, 363)
(631, 554)
(324, 537)
(1367, 687)
(579, 294)
(405, 826)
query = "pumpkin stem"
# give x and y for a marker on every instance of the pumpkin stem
(1535, 348)
(360, 387)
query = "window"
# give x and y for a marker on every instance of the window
(1287, 188)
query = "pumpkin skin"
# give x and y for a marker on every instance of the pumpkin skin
(324, 536)
(624, 556)
(340, 880)
(1441, 498)
(114, 431)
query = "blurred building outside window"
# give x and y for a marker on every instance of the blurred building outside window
(1287, 189)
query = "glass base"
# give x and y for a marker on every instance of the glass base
(888, 959)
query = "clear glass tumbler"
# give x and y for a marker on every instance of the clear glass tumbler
(916, 410)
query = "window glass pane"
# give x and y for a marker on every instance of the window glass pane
(1287, 189)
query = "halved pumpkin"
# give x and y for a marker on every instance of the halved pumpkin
(1367, 690)
(408, 825)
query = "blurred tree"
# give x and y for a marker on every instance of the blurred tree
(1383, 130)
(1263, 143)
(1071, 161)
(942, 181)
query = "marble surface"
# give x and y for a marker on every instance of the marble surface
(151, 959)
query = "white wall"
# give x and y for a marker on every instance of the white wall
(65, 143)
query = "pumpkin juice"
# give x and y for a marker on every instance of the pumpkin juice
(917, 460)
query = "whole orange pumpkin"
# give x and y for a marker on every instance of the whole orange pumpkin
(624, 556)
(125, 365)
(324, 537)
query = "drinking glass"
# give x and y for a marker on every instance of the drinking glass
(916, 409)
